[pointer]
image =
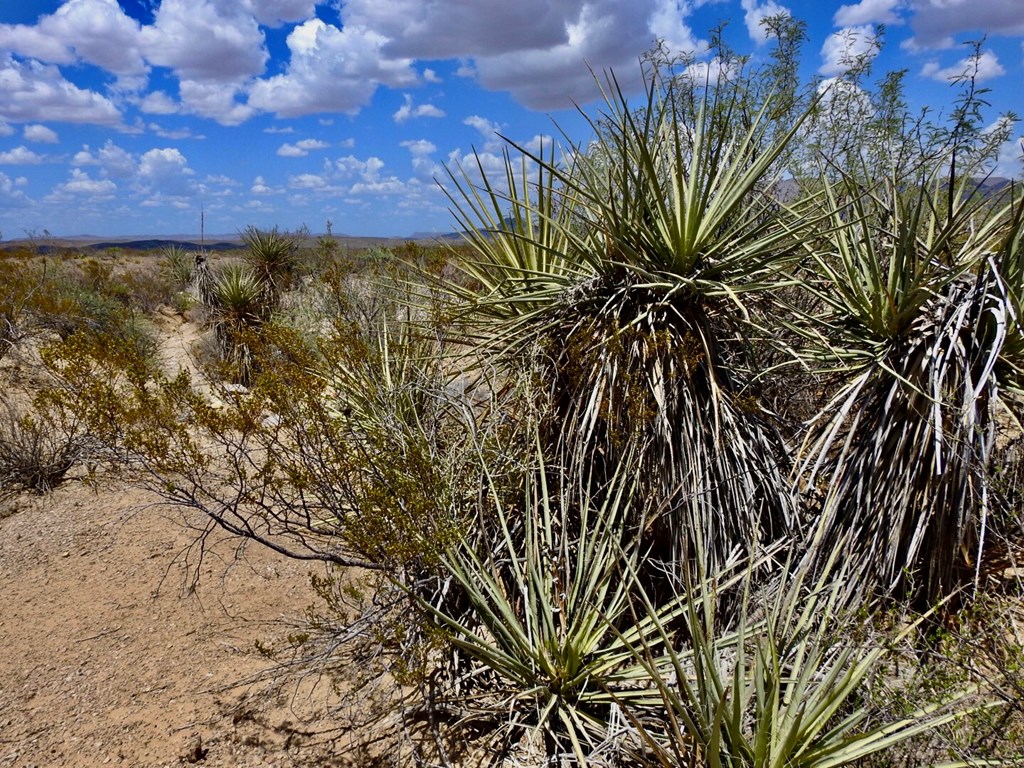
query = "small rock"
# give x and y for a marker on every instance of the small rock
(194, 751)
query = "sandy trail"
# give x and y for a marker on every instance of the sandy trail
(109, 659)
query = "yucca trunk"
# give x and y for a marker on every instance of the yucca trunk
(907, 484)
(648, 375)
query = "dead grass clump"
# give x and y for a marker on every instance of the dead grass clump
(37, 449)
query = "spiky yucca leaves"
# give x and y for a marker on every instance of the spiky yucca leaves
(784, 686)
(1008, 266)
(239, 303)
(901, 453)
(525, 255)
(178, 264)
(628, 272)
(545, 616)
(272, 256)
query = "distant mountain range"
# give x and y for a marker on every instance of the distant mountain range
(218, 243)
(785, 190)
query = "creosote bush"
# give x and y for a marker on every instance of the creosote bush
(65, 297)
(37, 448)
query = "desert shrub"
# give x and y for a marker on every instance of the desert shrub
(315, 410)
(46, 297)
(20, 284)
(978, 649)
(315, 256)
(37, 447)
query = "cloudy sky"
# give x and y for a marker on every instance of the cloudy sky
(125, 118)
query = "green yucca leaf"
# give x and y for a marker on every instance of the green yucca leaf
(272, 255)
(239, 294)
(769, 694)
(549, 609)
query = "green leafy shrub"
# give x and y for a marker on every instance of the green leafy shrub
(43, 297)
(20, 284)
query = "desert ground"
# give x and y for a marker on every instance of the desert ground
(115, 655)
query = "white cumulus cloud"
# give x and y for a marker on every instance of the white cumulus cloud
(274, 12)
(754, 13)
(667, 23)
(10, 195)
(20, 156)
(423, 164)
(351, 166)
(218, 101)
(536, 50)
(301, 148)
(40, 134)
(983, 67)
(409, 110)
(487, 129)
(206, 40)
(82, 185)
(260, 187)
(848, 48)
(165, 172)
(31, 91)
(112, 160)
(331, 70)
(936, 22)
(158, 103)
(307, 181)
(869, 12)
(99, 32)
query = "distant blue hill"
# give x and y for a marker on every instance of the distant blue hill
(156, 244)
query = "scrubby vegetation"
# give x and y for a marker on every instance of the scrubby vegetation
(662, 467)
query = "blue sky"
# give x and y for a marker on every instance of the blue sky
(125, 118)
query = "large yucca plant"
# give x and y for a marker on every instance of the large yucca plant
(272, 255)
(239, 303)
(628, 270)
(916, 315)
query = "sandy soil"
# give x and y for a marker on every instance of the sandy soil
(110, 659)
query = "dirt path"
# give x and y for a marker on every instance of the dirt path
(106, 662)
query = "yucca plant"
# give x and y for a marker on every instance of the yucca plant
(545, 615)
(901, 453)
(272, 256)
(178, 264)
(628, 272)
(1007, 266)
(785, 686)
(239, 303)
